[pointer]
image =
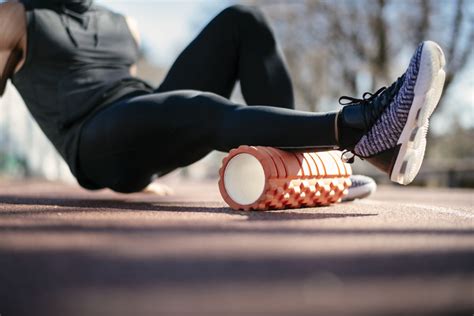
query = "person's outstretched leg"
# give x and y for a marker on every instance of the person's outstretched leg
(238, 44)
(123, 146)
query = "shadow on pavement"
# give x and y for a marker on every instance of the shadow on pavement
(33, 279)
(100, 205)
(158, 230)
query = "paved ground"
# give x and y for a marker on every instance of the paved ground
(65, 251)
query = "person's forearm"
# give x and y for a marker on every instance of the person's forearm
(12, 39)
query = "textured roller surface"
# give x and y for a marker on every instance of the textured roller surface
(292, 180)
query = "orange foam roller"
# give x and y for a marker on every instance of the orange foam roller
(263, 178)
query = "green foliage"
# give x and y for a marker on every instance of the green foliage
(13, 165)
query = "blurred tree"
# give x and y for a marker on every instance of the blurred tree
(348, 46)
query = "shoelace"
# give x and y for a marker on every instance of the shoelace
(367, 97)
(347, 159)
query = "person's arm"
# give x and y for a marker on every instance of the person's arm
(12, 39)
(133, 26)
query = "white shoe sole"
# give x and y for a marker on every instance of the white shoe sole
(428, 89)
(361, 192)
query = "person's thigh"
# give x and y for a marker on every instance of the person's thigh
(238, 44)
(210, 62)
(125, 145)
(237, 41)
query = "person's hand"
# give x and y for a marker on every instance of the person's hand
(158, 189)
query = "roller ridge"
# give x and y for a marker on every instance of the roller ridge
(293, 180)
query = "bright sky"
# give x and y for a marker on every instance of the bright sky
(166, 26)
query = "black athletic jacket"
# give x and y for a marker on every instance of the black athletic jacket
(78, 61)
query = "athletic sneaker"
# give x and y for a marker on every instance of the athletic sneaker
(389, 127)
(361, 187)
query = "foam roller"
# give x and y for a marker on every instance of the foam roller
(264, 178)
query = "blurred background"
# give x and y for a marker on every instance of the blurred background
(332, 48)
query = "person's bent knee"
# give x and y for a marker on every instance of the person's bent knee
(243, 10)
(245, 14)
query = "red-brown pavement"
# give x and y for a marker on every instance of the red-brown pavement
(67, 251)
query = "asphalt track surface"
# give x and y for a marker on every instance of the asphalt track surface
(66, 251)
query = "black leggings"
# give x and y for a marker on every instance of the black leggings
(124, 146)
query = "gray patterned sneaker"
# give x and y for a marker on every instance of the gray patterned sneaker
(389, 128)
(361, 187)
